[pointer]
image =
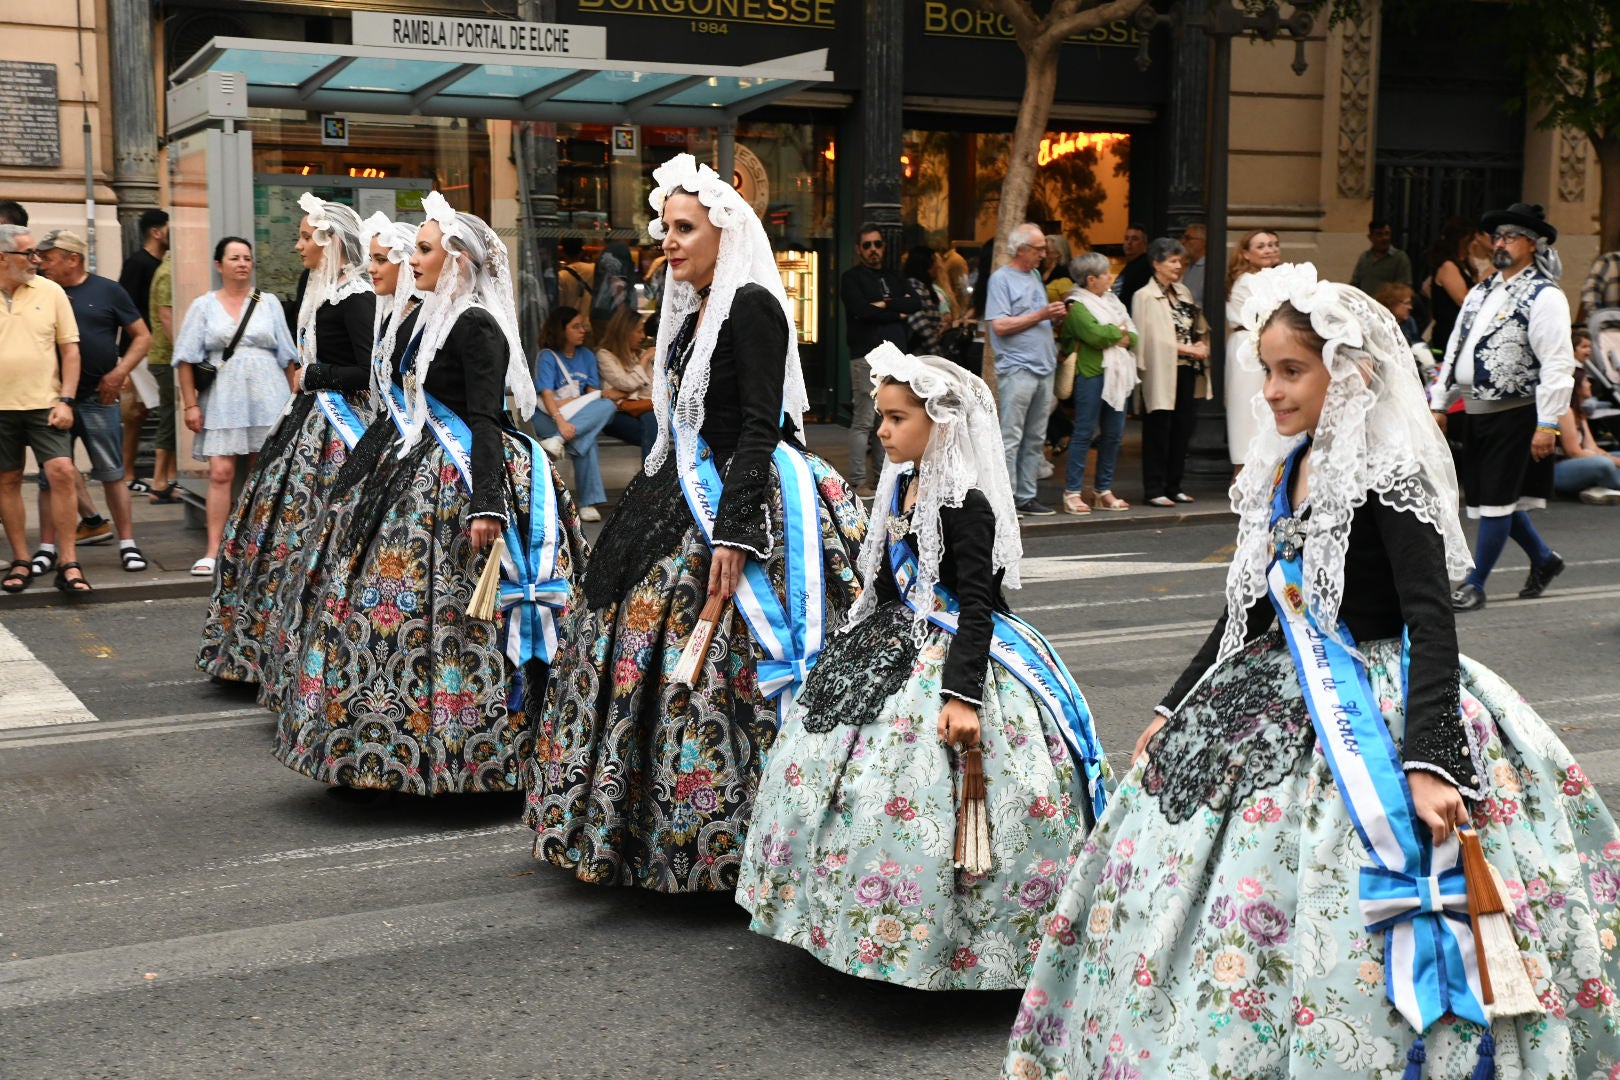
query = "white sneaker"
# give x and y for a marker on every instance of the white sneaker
(1044, 470)
(1601, 496)
(589, 513)
(554, 447)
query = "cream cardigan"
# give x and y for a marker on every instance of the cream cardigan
(1156, 346)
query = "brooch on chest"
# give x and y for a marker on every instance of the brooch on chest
(1288, 538)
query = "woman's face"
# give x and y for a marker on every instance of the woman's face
(1264, 250)
(235, 266)
(384, 271)
(308, 250)
(691, 240)
(905, 425)
(1402, 310)
(1168, 270)
(1098, 283)
(1296, 380)
(574, 332)
(427, 257)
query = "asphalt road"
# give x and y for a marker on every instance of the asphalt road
(174, 902)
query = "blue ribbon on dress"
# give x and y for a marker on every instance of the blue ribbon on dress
(791, 634)
(1026, 654)
(341, 415)
(1413, 892)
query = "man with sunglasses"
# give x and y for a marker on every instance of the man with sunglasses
(876, 303)
(1511, 361)
(39, 371)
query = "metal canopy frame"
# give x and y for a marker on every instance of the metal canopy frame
(325, 78)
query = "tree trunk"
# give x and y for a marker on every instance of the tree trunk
(1040, 84)
(1608, 156)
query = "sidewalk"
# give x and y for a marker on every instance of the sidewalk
(170, 547)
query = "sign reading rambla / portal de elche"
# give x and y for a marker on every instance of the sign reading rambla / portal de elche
(498, 36)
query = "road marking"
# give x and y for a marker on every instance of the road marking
(30, 693)
(1049, 568)
(135, 728)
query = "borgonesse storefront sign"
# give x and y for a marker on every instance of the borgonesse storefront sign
(499, 37)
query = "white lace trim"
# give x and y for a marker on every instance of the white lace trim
(342, 272)
(398, 237)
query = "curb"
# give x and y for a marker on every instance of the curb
(43, 595)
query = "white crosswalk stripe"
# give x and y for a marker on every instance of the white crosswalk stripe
(30, 693)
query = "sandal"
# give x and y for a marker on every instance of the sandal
(1107, 500)
(1161, 500)
(134, 561)
(203, 567)
(167, 495)
(71, 585)
(44, 562)
(1183, 497)
(19, 577)
(141, 486)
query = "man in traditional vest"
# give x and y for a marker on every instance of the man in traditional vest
(1511, 362)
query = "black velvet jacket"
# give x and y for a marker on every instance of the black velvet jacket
(969, 533)
(1394, 577)
(342, 345)
(468, 375)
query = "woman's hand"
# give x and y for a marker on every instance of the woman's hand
(484, 531)
(1439, 805)
(725, 571)
(959, 724)
(194, 419)
(295, 378)
(566, 430)
(1147, 734)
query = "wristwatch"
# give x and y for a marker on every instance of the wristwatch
(66, 401)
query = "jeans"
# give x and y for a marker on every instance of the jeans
(1026, 399)
(1166, 434)
(1093, 415)
(863, 442)
(1571, 476)
(588, 424)
(636, 430)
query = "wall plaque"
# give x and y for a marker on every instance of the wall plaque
(30, 115)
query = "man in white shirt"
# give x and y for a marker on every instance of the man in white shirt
(1511, 362)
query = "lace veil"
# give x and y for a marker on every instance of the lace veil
(342, 272)
(397, 237)
(476, 273)
(1375, 435)
(745, 256)
(963, 452)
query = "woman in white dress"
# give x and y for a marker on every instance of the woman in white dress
(1256, 250)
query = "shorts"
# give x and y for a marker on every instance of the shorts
(101, 429)
(163, 415)
(22, 429)
(130, 406)
(1498, 474)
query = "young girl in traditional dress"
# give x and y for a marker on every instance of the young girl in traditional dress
(1274, 890)
(292, 475)
(853, 853)
(401, 687)
(640, 778)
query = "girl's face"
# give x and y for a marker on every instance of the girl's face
(1583, 350)
(384, 271)
(1296, 380)
(691, 240)
(308, 250)
(1264, 250)
(575, 332)
(236, 265)
(427, 257)
(905, 425)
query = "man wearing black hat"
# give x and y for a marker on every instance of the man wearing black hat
(1511, 362)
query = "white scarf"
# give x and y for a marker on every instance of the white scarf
(1119, 366)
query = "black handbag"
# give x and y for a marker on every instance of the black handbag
(202, 375)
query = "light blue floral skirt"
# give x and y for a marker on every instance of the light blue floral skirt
(1211, 927)
(850, 853)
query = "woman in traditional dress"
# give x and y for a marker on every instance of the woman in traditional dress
(292, 475)
(853, 853)
(1273, 890)
(1256, 250)
(638, 779)
(400, 687)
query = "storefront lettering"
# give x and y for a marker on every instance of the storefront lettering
(478, 35)
(816, 14)
(953, 18)
(1057, 146)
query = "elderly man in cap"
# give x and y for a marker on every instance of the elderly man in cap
(39, 368)
(1511, 361)
(103, 309)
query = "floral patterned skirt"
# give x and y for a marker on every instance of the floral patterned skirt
(850, 853)
(636, 780)
(1231, 944)
(273, 521)
(397, 687)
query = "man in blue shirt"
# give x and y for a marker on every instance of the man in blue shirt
(1020, 319)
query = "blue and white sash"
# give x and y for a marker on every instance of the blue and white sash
(1029, 658)
(791, 635)
(1413, 892)
(341, 415)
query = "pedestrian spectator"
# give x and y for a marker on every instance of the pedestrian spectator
(575, 275)
(1382, 263)
(1195, 238)
(242, 335)
(136, 279)
(1453, 276)
(1398, 299)
(1583, 469)
(39, 360)
(625, 362)
(1020, 318)
(614, 285)
(159, 358)
(1138, 270)
(1511, 361)
(1055, 267)
(877, 303)
(1602, 287)
(12, 213)
(1256, 250)
(1172, 354)
(925, 325)
(1099, 331)
(565, 372)
(102, 310)
(955, 269)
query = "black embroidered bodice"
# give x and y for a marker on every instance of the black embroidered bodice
(342, 345)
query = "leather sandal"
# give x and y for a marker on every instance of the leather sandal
(19, 577)
(167, 495)
(66, 584)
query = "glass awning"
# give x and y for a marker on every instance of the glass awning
(441, 82)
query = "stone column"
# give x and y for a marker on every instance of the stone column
(134, 114)
(882, 86)
(1187, 127)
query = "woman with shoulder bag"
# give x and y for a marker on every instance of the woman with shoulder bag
(1172, 353)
